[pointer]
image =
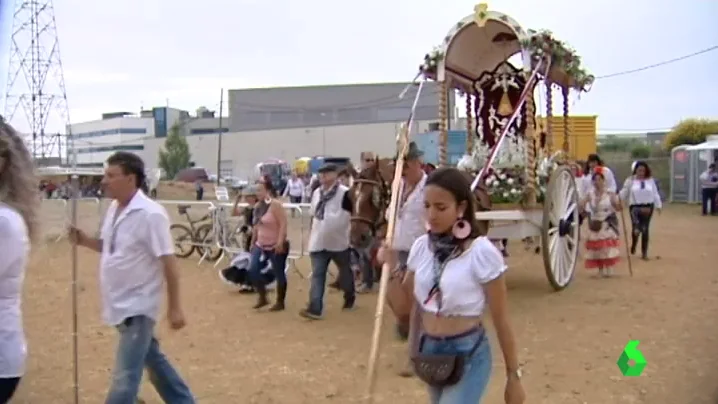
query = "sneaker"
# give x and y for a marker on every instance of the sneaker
(310, 315)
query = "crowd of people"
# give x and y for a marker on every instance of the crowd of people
(452, 274)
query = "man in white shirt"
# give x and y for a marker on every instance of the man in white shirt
(410, 220)
(294, 190)
(709, 190)
(137, 259)
(331, 209)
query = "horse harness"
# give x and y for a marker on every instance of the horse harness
(379, 199)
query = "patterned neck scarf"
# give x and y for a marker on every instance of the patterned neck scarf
(445, 247)
(324, 197)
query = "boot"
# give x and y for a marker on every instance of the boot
(644, 246)
(281, 295)
(634, 242)
(262, 296)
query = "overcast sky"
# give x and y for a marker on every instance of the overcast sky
(144, 53)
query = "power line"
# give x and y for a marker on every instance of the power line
(659, 64)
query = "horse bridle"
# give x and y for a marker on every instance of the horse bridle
(379, 200)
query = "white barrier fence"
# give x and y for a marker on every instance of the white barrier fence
(56, 214)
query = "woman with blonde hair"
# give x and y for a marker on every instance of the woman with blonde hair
(19, 201)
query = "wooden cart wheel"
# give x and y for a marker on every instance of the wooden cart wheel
(560, 228)
(182, 236)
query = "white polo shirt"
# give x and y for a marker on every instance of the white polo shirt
(14, 250)
(131, 273)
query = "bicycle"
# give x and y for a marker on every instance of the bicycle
(191, 234)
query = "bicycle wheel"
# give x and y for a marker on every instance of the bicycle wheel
(207, 242)
(182, 236)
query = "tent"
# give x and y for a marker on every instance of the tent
(687, 164)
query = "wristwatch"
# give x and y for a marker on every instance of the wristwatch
(514, 373)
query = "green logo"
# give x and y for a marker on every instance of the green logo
(631, 354)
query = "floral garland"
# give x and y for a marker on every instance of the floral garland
(539, 44)
(542, 43)
(428, 69)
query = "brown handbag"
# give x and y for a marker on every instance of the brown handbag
(441, 370)
(644, 210)
(594, 225)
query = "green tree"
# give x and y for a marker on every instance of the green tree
(690, 131)
(640, 151)
(175, 155)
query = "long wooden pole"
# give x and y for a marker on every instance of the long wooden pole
(402, 148)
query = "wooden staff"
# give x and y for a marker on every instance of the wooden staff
(402, 149)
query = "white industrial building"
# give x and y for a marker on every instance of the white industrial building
(265, 123)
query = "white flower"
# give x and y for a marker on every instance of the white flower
(506, 194)
(514, 191)
(502, 176)
(510, 181)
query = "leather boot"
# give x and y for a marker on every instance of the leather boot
(644, 246)
(281, 295)
(634, 242)
(262, 296)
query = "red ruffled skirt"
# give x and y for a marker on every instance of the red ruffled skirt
(602, 248)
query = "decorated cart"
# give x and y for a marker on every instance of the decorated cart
(531, 187)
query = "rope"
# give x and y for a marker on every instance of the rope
(549, 116)
(443, 121)
(530, 138)
(469, 124)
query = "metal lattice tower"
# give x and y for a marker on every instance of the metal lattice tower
(36, 84)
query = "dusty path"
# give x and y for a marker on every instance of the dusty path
(569, 341)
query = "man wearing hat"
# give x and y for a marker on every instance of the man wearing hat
(331, 210)
(410, 221)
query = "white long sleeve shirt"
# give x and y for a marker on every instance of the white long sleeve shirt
(641, 192)
(709, 179)
(295, 188)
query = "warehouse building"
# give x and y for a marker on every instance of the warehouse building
(289, 123)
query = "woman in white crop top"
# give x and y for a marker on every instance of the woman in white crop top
(18, 217)
(640, 191)
(454, 273)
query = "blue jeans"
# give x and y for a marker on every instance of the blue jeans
(137, 350)
(279, 263)
(360, 259)
(320, 266)
(477, 368)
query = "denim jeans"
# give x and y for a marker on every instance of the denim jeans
(279, 263)
(320, 266)
(360, 259)
(139, 349)
(477, 368)
(708, 200)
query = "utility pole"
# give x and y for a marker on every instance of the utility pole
(35, 84)
(219, 136)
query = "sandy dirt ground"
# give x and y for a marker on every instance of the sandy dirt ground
(569, 341)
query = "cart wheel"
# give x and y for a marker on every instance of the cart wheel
(560, 228)
(206, 240)
(182, 236)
